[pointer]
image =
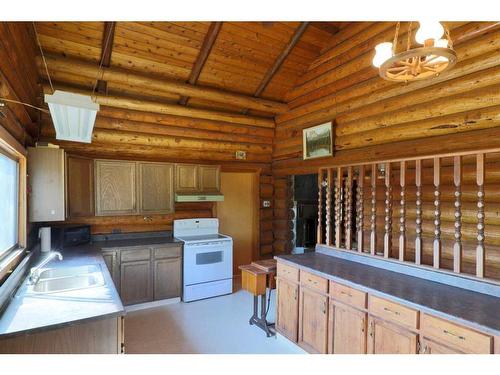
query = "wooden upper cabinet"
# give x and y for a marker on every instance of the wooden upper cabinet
(156, 188)
(313, 321)
(209, 178)
(116, 188)
(186, 178)
(287, 313)
(346, 329)
(80, 186)
(46, 179)
(388, 338)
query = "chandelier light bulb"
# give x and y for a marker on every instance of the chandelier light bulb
(383, 52)
(429, 30)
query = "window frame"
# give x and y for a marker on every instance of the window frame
(10, 147)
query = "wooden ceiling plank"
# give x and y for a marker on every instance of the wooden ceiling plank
(125, 76)
(206, 47)
(107, 49)
(280, 59)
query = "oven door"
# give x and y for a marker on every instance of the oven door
(208, 261)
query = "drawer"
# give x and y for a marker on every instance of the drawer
(167, 252)
(288, 272)
(458, 336)
(312, 281)
(348, 295)
(135, 254)
(393, 311)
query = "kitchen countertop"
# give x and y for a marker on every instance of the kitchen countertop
(473, 309)
(29, 313)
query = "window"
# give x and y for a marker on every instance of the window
(9, 204)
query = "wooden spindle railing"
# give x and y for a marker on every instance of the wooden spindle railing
(348, 209)
(418, 212)
(437, 215)
(337, 193)
(360, 208)
(480, 254)
(402, 211)
(338, 204)
(388, 211)
(373, 216)
(457, 244)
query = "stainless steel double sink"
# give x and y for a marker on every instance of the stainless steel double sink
(56, 280)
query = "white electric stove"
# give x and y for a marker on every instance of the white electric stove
(208, 259)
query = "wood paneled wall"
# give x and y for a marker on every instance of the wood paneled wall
(376, 119)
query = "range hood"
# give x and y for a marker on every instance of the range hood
(199, 197)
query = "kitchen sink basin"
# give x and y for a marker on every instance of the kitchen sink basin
(68, 283)
(68, 271)
(54, 280)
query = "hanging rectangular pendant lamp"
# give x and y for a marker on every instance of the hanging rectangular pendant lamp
(73, 115)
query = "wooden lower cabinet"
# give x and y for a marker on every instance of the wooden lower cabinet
(346, 329)
(287, 302)
(313, 321)
(135, 282)
(431, 347)
(113, 264)
(167, 278)
(388, 338)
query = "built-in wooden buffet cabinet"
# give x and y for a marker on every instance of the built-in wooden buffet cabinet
(325, 316)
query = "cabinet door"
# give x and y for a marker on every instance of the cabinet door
(346, 330)
(156, 188)
(209, 178)
(167, 278)
(186, 178)
(46, 179)
(115, 188)
(111, 260)
(313, 321)
(80, 186)
(135, 282)
(387, 338)
(432, 347)
(287, 313)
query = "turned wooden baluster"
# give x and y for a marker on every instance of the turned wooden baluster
(348, 209)
(437, 214)
(360, 207)
(329, 208)
(457, 245)
(480, 252)
(418, 212)
(319, 233)
(373, 217)
(388, 212)
(402, 211)
(338, 203)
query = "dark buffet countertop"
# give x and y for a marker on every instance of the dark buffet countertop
(30, 312)
(476, 310)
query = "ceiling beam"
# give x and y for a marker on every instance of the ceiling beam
(159, 84)
(108, 36)
(144, 105)
(206, 47)
(280, 60)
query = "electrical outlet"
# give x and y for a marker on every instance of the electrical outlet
(266, 204)
(242, 155)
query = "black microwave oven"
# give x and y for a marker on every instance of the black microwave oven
(70, 235)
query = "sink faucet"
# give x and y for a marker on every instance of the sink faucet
(35, 271)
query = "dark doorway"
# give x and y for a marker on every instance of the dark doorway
(305, 203)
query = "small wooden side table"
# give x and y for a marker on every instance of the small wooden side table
(256, 278)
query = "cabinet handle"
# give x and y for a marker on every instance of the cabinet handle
(391, 311)
(345, 293)
(426, 349)
(363, 325)
(295, 294)
(324, 307)
(371, 328)
(453, 334)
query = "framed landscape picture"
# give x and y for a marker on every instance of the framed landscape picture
(318, 141)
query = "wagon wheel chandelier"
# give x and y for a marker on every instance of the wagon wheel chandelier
(436, 55)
